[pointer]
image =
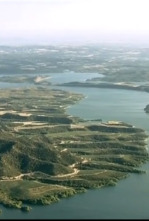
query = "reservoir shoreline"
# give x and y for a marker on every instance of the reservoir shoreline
(92, 197)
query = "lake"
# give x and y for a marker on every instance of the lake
(129, 199)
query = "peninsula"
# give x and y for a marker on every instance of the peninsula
(46, 154)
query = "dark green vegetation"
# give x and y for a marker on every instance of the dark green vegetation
(46, 155)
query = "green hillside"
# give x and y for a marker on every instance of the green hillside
(46, 154)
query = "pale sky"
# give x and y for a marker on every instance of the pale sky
(74, 20)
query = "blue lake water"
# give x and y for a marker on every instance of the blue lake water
(72, 76)
(129, 199)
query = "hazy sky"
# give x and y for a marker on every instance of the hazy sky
(74, 20)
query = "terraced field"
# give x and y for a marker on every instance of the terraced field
(45, 154)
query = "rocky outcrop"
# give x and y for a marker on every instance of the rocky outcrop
(147, 108)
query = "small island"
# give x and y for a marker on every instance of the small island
(147, 108)
(46, 154)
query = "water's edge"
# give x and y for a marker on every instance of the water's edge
(129, 198)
